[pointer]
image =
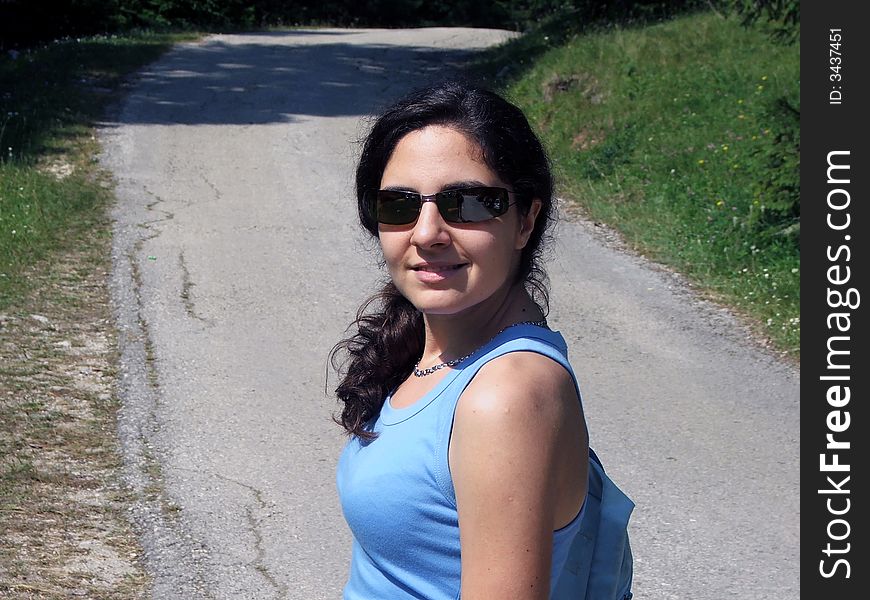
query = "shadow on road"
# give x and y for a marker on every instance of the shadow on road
(257, 82)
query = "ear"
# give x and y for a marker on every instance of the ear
(527, 224)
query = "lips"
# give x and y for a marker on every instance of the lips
(432, 273)
(437, 268)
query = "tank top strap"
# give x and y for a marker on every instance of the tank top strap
(521, 338)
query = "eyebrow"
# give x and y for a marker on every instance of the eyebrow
(454, 185)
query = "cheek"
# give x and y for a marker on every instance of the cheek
(496, 257)
(392, 248)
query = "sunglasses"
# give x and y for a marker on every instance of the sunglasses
(464, 205)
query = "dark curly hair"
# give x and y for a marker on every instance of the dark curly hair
(390, 336)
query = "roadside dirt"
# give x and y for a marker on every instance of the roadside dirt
(65, 531)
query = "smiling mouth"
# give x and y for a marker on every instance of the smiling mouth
(438, 268)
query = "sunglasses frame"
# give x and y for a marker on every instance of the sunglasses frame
(503, 194)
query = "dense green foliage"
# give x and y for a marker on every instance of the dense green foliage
(776, 164)
(781, 18)
(23, 22)
(685, 136)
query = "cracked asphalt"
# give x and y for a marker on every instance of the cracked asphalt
(238, 263)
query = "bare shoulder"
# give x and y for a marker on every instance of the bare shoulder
(518, 448)
(518, 385)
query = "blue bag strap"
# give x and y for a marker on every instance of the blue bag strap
(599, 564)
(594, 457)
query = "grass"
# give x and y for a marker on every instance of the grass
(660, 132)
(50, 188)
(62, 504)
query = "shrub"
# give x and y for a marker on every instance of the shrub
(781, 18)
(777, 169)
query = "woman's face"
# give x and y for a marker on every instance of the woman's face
(441, 267)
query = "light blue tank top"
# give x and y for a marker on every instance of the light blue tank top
(397, 493)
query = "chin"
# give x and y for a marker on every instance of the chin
(447, 301)
(429, 305)
(443, 305)
(439, 308)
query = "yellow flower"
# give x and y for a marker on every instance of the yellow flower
(764, 78)
(719, 203)
(701, 161)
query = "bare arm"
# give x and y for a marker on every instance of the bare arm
(518, 460)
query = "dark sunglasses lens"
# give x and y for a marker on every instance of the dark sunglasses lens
(397, 208)
(450, 205)
(481, 204)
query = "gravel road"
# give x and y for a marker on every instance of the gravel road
(237, 265)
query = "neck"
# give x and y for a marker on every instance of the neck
(452, 336)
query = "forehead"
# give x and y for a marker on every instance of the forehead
(436, 155)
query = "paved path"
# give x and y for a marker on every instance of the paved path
(238, 263)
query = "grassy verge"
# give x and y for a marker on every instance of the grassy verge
(62, 505)
(663, 133)
(49, 185)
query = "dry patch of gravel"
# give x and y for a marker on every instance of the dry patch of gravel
(63, 505)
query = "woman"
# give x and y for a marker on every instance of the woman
(467, 465)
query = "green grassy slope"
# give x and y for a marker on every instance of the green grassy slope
(663, 132)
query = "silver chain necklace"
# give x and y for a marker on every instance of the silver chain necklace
(456, 361)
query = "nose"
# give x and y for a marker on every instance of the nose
(430, 230)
